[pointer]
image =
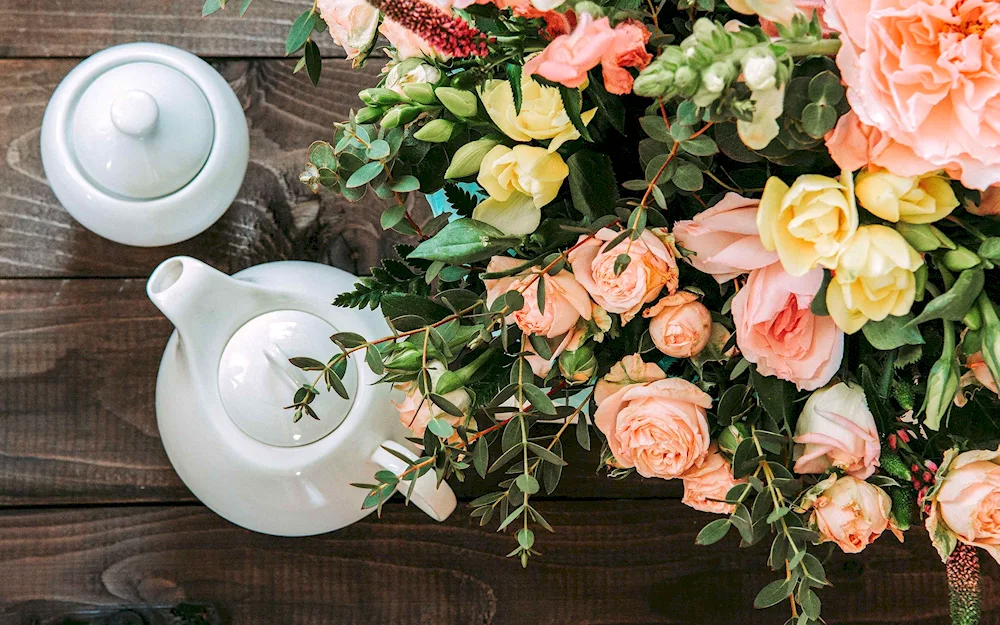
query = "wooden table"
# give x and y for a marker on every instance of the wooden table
(93, 514)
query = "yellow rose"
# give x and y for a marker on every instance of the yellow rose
(809, 222)
(520, 181)
(917, 200)
(542, 114)
(873, 278)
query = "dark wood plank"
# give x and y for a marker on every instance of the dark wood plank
(609, 562)
(274, 217)
(78, 363)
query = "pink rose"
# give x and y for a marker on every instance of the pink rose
(416, 411)
(968, 502)
(651, 269)
(854, 145)
(706, 485)
(565, 300)
(681, 325)
(989, 203)
(352, 23)
(777, 331)
(852, 513)
(836, 429)
(628, 49)
(724, 239)
(569, 342)
(568, 58)
(658, 427)
(629, 370)
(926, 74)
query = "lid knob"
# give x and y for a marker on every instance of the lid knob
(135, 113)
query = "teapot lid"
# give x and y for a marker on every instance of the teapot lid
(257, 382)
(142, 130)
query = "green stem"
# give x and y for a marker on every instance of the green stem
(823, 47)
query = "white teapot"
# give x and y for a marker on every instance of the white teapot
(224, 382)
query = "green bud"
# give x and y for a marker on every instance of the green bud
(705, 29)
(718, 76)
(653, 82)
(468, 158)
(379, 96)
(595, 10)
(448, 382)
(435, 131)
(920, 277)
(577, 367)
(400, 116)
(405, 359)
(686, 81)
(921, 237)
(420, 92)
(973, 319)
(368, 115)
(960, 259)
(942, 384)
(460, 102)
(731, 437)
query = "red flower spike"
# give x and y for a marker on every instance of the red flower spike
(963, 585)
(444, 32)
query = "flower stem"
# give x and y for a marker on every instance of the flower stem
(823, 47)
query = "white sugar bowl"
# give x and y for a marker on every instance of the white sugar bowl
(145, 144)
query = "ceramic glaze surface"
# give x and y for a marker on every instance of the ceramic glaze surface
(271, 487)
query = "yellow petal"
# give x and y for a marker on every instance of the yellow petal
(517, 216)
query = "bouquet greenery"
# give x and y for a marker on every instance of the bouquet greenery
(745, 244)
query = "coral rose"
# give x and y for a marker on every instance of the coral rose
(836, 429)
(651, 269)
(777, 331)
(966, 503)
(706, 485)
(352, 24)
(852, 513)
(659, 427)
(565, 300)
(568, 58)
(926, 74)
(629, 370)
(724, 239)
(680, 326)
(628, 49)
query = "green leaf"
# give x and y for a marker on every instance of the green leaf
(990, 249)
(348, 340)
(378, 149)
(307, 364)
(776, 396)
(541, 346)
(818, 306)
(774, 593)
(514, 72)
(539, 400)
(546, 455)
(713, 532)
(244, 7)
(400, 304)
(463, 241)
(405, 184)
(582, 431)
(592, 184)
(810, 602)
(440, 428)
(527, 483)
(572, 100)
(525, 538)
(301, 28)
(365, 174)
(656, 128)
(826, 87)
(321, 155)
(392, 216)
(314, 62)
(481, 458)
(688, 177)
(609, 106)
(892, 332)
(374, 360)
(954, 303)
(818, 119)
(813, 568)
(210, 7)
(702, 145)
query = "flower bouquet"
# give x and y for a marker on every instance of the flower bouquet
(744, 244)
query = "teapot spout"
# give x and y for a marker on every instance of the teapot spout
(195, 297)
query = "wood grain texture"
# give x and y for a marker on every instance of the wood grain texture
(77, 422)
(612, 562)
(274, 217)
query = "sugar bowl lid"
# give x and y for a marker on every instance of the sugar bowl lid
(145, 144)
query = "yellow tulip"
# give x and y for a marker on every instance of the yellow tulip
(542, 114)
(916, 200)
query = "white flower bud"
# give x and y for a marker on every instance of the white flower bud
(759, 68)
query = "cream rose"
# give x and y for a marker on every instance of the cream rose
(680, 326)
(966, 503)
(651, 269)
(916, 200)
(873, 278)
(352, 24)
(416, 411)
(809, 222)
(852, 513)
(629, 370)
(409, 73)
(660, 427)
(836, 429)
(706, 485)
(520, 181)
(565, 300)
(542, 115)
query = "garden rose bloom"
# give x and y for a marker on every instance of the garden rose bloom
(628, 49)
(968, 502)
(568, 58)
(807, 223)
(352, 23)
(724, 239)
(777, 331)
(926, 74)
(852, 513)
(989, 204)
(680, 326)
(651, 269)
(629, 370)
(659, 427)
(873, 278)
(565, 300)
(542, 114)
(836, 429)
(416, 411)
(855, 145)
(706, 485)
(916, 199)
(523, 169)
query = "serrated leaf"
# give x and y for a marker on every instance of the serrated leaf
(572, 100)
(514, 73)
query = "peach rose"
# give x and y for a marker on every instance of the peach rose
(967, 501)
(724, 239)
(926, 74)
(629, 370)
(977, 365)
(651, 269)
(416, 411)
(352, 23)
(852, 513)
(855, 145)
(565, 300)
(681, 325)
(836, 429)
(989, 204)
(569, 342)
(658, 427)
(706, 485)
(777, 331)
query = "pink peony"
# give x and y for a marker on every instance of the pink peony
(926, 75)
(565, 300)
(724, 239)
(680, 326)
(852, 513)
(651, 269)
(777, 331)
(660, 427)
(706, 485)
(836, 430)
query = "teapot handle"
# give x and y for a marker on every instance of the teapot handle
(437, 501)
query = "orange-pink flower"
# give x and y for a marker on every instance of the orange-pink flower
(706, 485)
